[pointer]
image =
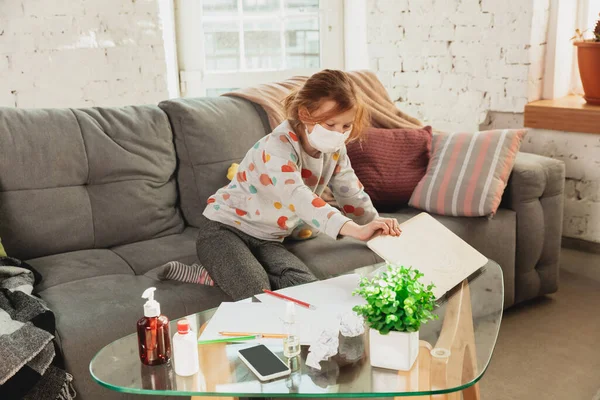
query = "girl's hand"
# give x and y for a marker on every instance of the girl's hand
(380, 226)
(393, 225)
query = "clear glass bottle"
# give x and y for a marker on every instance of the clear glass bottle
(154, 341)
(291, 343)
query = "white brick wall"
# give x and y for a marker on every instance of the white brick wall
(492, 47)
(581, 154)
(470, 65)
(62, 53)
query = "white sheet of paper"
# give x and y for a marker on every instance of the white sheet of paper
(267, 318)
(330, 294)
(427, 245)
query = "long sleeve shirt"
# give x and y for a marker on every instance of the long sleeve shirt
(278, 185)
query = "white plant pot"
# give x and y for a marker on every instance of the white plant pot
(396, 350)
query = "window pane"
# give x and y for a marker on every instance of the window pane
(212, 92)
(262, 44)
(219, 7)
(261, 6)
(301, 5)
(222, 46)
(302, 43)
(263, 36)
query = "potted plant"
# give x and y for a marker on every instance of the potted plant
(397, 304)
(588, 57)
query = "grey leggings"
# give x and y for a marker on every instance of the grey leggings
(243, 265)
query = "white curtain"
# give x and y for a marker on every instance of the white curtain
(562, 72)
(587, 16)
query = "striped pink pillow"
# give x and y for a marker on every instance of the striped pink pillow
(467, 172)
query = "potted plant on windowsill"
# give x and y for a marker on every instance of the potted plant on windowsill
(588, 57)
(397, 304)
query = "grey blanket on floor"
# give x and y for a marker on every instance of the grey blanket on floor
(26, 334)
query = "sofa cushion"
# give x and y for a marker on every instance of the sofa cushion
(147, 255)
(77, 265)
(326, 257)
(210, 134)
(467, 172)
(390, 163)
(104, 178)
(93, 312)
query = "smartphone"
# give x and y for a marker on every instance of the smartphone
(264, 363)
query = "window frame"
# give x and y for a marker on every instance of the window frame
(195, 79)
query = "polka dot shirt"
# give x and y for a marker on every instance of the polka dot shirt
(278, 186)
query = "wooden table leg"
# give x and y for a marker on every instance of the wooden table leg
(472, 392)
(210, 358)
(421, 369)
(454, 361)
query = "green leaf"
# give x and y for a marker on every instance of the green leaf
(396, 300)
(390, 310)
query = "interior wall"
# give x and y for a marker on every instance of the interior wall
(452, 62)
(59, 53)
(473, 65)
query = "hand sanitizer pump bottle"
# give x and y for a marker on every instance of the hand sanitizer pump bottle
(154, 341)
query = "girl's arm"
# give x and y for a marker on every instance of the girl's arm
(350, 193)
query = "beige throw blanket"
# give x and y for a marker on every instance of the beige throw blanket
(384, 113)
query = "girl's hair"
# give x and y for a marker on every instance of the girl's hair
(326, 85)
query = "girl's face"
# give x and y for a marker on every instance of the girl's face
(339, 123)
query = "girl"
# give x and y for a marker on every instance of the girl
(278, 185)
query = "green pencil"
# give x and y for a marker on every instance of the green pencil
(230, 339)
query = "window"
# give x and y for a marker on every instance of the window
(587, 16)
(562, 73)
(228, 44)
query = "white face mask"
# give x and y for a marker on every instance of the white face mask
(326, 141)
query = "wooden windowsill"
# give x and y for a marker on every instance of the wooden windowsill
(571, 114)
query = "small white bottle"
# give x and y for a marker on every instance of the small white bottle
(185, 350)
(291, 343)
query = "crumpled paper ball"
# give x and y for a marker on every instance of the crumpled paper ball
(346, 344)
(325, 347)
(351, 324)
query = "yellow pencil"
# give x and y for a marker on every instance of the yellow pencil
(262, 335)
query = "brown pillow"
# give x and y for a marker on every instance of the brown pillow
(390, 163)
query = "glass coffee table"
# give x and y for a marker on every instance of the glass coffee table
(455, 351)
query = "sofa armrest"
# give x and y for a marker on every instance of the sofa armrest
(535, 192)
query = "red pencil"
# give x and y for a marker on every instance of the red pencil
(282, 296)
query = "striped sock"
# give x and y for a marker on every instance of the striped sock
(195, 273)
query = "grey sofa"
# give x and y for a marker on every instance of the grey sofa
(96, 199)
